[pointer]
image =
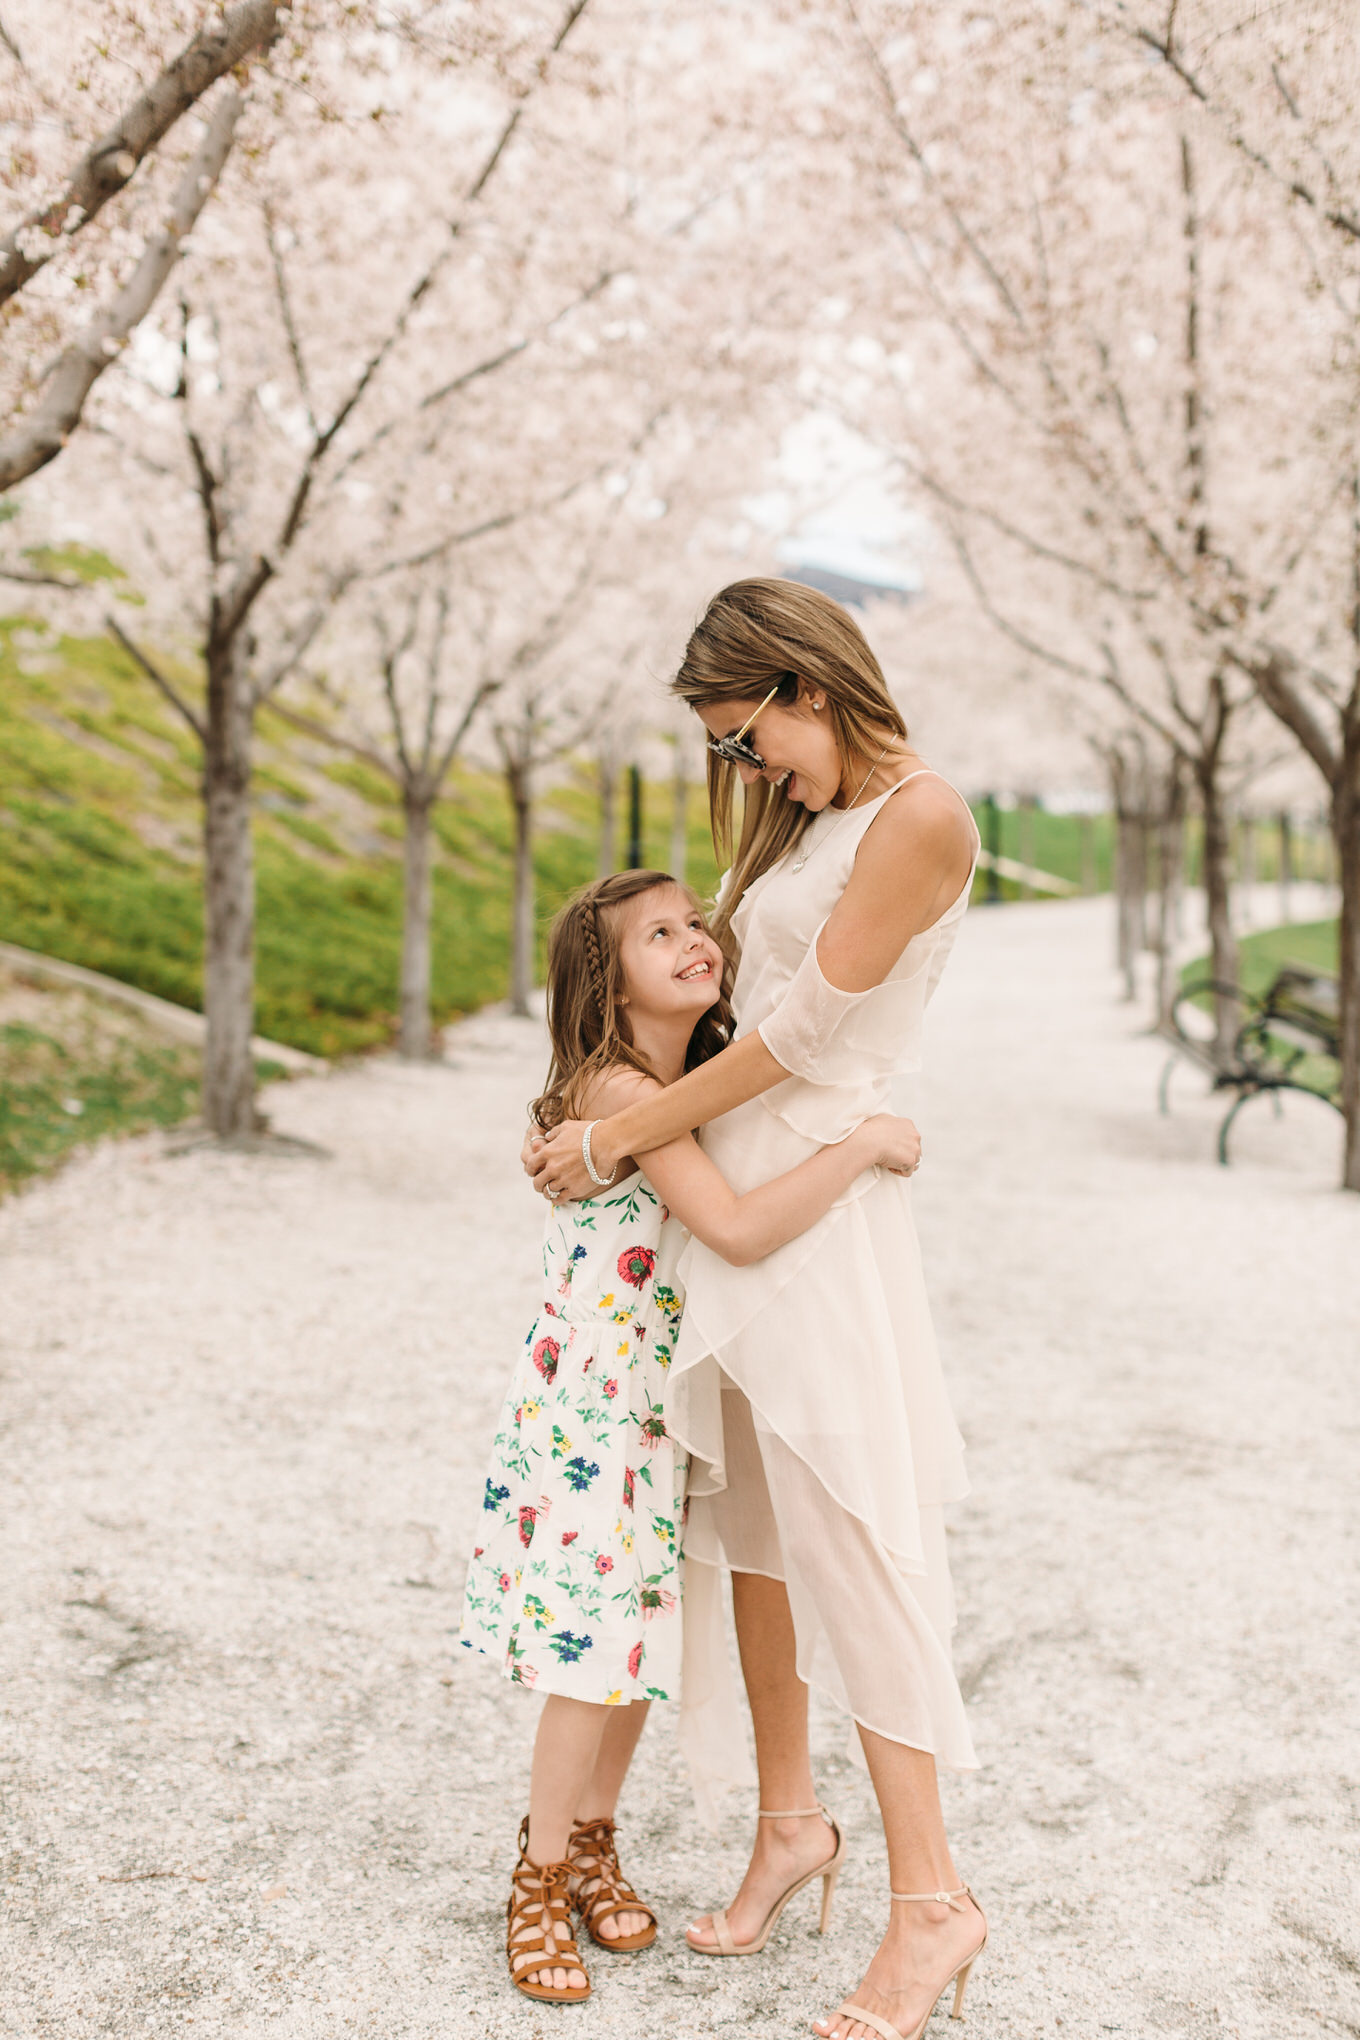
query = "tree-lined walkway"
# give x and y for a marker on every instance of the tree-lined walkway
(245, 1405)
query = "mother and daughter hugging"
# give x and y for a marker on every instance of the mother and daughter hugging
(733, 1367)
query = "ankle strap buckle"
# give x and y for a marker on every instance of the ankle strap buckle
(948, 1898)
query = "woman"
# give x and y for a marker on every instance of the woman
(807, 1387)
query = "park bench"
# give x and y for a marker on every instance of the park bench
(1287, 1038)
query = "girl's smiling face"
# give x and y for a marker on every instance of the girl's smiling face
(669, 964)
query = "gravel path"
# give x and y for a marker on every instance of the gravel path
(247, 1789)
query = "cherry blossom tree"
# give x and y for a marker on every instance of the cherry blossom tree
(293, 486)
(83, 214)
(428, 713)
(1086, 379)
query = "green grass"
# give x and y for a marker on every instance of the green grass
(1306, 945)
(56, 1094)
(1052, 843)
(99, 863)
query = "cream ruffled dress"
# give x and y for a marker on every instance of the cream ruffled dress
(822, 1355)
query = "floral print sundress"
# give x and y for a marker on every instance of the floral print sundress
(575, 1583)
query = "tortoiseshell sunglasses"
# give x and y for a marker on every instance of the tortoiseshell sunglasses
(735, 749)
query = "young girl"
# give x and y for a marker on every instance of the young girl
(574, 1587)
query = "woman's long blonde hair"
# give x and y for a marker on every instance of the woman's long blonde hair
(587, 1026)
(753, 635)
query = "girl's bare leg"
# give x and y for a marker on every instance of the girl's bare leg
(783, 1849)
(924, 1944)
(601, 1794)
(566, 1751)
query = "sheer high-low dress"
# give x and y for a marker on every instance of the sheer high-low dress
(807, 1387)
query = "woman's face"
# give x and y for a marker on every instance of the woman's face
(795, 741)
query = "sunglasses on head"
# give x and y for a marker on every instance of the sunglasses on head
(736, 749)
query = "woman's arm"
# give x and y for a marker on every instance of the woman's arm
(745, 1229)
(742, 1070)
(910, 868)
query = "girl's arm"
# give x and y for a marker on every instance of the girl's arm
(745, 1229)
(909, 869)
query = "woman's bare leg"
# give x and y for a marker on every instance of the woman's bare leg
(601, 1794)
(783, 1849)
(924, 1944)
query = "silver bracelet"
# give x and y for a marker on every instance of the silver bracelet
(602, 1182)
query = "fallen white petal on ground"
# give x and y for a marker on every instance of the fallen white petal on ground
(247, 1784)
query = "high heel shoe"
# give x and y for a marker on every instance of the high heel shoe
(828, 1872)
(959, 1977)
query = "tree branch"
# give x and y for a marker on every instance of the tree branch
(1274, 673)
(299, 645)
(32, 578)
(311, 727)
(1346, 221)
(156, 677)
(106, 167)
(450, 751)
(40, 436)
(286, 314)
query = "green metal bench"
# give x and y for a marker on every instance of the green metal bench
(1287, 1038)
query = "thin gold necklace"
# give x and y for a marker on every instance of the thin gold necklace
(798, 864)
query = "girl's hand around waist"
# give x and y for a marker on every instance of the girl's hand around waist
(890, 1143)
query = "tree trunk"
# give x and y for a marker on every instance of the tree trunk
(415, 927)
(609, 814)
(1286, 871)
(679, 814)
(229, 898)
(522, 907)
(1130, 870)
(1087, 830)
(1346, 836)
(1218, 893)
(1170, 845)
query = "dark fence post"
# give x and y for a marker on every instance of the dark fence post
(634, 819)
(991, 815)
(1286, 870)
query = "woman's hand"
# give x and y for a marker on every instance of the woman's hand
(556, 1165)
(893, 1144)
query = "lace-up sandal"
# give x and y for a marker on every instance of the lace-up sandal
(599, 1888)
(828, 1872)
(538, 1934)
(959, 1978)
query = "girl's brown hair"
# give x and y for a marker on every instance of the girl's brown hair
(588, 1028)
(756, 633)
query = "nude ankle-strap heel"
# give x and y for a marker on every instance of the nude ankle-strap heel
(828, 1872)
(959, 1978)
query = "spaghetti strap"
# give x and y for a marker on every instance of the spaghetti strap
(929, 772)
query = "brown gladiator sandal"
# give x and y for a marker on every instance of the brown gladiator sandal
(538, 1932)
(599, 1888)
